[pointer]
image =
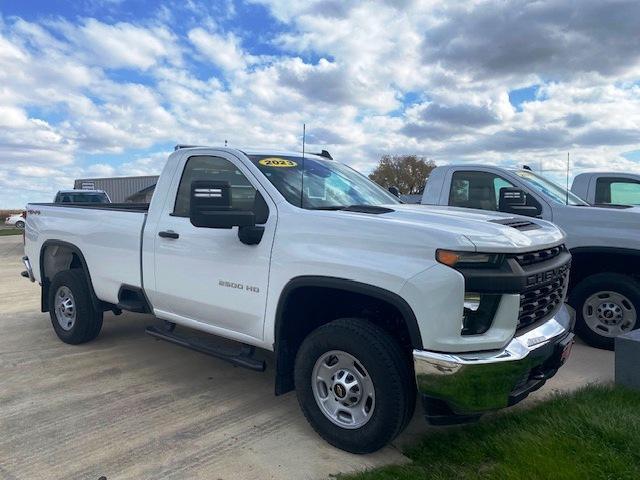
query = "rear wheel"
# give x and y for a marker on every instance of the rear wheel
(354, 385)
(607, 305)
(73, 314)
(19, 224)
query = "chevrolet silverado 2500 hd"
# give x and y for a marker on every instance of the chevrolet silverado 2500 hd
(363, 299)
(604, 286)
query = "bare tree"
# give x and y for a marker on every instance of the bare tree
(406, 172)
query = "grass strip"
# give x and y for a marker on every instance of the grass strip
(591, 434)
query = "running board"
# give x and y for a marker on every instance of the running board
(243, 358)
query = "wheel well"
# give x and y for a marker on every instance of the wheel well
(55, 258)
(586, 262)
(304, 308)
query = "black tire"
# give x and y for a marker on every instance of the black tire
(88, 320)
(389, 369)
(19, 224)
(602, 282)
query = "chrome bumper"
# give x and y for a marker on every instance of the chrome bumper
(28, 273)
(470, 383)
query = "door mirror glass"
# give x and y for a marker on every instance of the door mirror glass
(394, 191)
(514, 200)
(211, 206)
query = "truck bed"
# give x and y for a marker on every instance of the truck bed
(109, 237)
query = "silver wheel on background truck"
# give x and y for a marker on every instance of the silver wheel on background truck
(609, 313)
(607, 305)
(19, 224)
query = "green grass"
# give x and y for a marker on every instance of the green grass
(10, 231)
(592, 434)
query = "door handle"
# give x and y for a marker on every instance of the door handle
(168, 234)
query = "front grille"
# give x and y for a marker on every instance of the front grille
(538, 256)
(538, 302)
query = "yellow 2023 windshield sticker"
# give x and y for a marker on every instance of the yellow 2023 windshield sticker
(277, 162)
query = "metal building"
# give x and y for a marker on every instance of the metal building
(119, 189)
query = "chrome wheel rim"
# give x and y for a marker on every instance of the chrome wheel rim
(609, 314)
(65, 308)
(343, 389)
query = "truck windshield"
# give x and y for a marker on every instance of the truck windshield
(550, 189)
(68, 197)
(327, 185)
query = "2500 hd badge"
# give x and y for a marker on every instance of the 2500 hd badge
(239, 286)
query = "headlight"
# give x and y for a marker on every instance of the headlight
(468, 259)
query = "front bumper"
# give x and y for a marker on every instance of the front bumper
(467, 384)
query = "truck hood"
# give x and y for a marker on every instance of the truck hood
(487, 231)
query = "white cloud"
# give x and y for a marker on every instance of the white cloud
(121, 45)
(224, 51)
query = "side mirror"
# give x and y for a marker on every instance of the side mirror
(394, 191)
(514, 200)
(211, 206)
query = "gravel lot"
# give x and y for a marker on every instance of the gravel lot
(129, 406)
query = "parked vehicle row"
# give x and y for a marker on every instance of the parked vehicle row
(364, 300)
(604, 286)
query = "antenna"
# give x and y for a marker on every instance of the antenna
(304, 135)
(567, 191)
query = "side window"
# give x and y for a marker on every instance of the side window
(625, 193)
(618, 191)
(478, 190)
(243, 194)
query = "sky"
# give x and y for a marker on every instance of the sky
(94, 88)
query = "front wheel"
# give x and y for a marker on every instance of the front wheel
(354, 385)
(607, 305)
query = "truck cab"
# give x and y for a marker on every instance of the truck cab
(608, 188)
(604, 287)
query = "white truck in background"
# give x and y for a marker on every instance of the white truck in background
(364, 300)
(608, 188)
(604, 287)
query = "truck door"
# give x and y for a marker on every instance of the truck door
(207, 278)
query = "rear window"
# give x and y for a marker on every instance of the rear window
(82, 198)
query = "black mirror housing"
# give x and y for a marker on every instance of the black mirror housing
(394, 191)
(211, 206)
(514, 200)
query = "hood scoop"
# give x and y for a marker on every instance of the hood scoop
(517, 223)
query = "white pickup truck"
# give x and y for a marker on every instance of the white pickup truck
(363, 300)
(608, 188)
(604, 288)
